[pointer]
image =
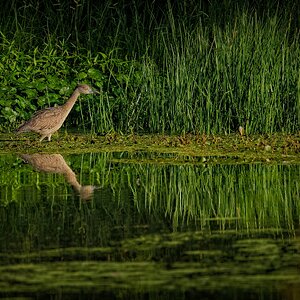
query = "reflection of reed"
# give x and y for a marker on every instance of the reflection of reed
(55, 163)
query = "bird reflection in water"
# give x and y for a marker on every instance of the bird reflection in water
(55, 163)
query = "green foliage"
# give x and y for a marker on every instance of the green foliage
(177, 68)
(46, 78)
(30, 81)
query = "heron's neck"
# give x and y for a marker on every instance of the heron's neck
(70, 176)
(70, 103)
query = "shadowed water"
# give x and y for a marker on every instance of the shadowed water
(146, 225)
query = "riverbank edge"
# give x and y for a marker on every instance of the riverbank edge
(277, 147)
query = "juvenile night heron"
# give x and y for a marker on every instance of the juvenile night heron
(55, 163)
(47, 121)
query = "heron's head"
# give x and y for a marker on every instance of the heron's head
(86, 89)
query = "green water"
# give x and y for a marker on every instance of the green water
(148, 226)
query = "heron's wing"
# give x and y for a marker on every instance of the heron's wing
(45, 118)
(49, 111)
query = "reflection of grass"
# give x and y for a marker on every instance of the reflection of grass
(150, 227)
(205, 195)
(234, 196)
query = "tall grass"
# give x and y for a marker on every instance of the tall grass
(174, 68)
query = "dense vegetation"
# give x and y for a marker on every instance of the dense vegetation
(162, 66)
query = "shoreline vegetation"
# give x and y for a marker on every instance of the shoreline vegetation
(194, 149)
(163, 67)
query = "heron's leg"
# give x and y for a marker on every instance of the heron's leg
(43, 136)
(49, 137)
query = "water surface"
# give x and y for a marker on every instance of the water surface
(144, 225)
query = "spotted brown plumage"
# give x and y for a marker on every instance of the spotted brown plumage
(47, 121)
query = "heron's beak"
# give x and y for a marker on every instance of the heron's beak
(95, 91)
